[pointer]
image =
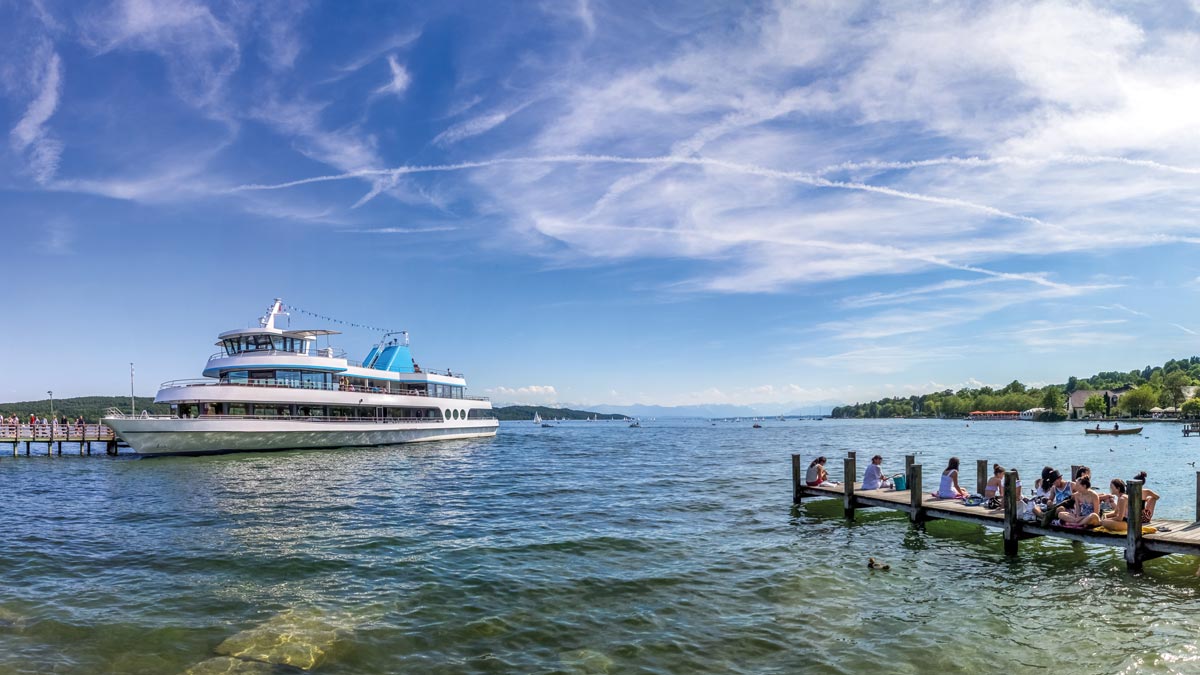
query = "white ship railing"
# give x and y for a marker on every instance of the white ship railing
(314, 386)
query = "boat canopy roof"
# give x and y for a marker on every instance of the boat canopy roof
(295, 334)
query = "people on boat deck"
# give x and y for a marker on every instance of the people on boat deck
(949, 489)
(1087, 506)
(873, 477)
(816, 473)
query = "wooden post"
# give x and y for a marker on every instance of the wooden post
(89, 446)
(1133, 538)
(27, 447)
(909, 460)
(1012, 526)
(915, 496)
(1074, 470)
(848, 483)
(796, 478)
(60, 447)
(111, 447)
(981, 475)
(1198, 496)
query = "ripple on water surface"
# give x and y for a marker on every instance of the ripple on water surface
(586, 548)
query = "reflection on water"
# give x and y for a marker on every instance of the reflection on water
(585, 548)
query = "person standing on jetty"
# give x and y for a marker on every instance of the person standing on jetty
(873, 477)
(949, 488)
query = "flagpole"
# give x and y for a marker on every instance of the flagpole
(132, 405)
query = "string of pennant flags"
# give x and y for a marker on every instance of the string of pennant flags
(293, 308)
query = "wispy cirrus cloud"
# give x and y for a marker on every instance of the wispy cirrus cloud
(31, 137)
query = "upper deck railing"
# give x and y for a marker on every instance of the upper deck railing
(335, 354)
(314, 386)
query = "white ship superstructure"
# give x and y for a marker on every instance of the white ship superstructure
(275, 389)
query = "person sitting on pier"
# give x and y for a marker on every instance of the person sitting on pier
(995, 484)
(816, 473)
(1117, 520)
(1087, 506)
(873, 478)
(1060, 492)
(949, 489)
(1149, 499)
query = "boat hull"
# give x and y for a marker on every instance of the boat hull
(198, 436)
(1114, 432)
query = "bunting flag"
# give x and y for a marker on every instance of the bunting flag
(293, 308)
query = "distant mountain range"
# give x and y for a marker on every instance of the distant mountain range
(710, 410)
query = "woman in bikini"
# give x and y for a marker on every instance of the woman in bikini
(1116, 520)
(995, 483)
(1087, 506)
(1149, 499)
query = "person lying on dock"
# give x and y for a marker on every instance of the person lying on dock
(873, 478)
(949, 489)
(1087, 506)
(817, 476)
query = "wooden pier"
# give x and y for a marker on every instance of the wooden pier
(1191, 428)
(1181, 536)
(57, 434)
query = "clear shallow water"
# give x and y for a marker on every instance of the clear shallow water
(586, 548)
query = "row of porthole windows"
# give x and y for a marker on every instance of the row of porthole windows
(455, 414)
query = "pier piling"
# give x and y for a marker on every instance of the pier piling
(909, 460)
(849, 472)
(796, 478)
(981, 475)
(915, 495)
(1134, 553)
(1012, 526)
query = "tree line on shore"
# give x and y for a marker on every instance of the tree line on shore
(1161, 386)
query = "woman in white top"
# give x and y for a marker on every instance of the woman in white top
(949, 488)
(873, 477)
(816, 473)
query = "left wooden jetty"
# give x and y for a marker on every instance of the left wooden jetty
(57, 434)
(1172, 536)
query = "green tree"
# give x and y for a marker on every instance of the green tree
(1190, 408)
(1173, 385)
(1139, 400)
(1094, 404)
(1051, 400)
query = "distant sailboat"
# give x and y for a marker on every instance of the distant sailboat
(537, 419)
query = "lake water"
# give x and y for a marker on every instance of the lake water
(585, 548)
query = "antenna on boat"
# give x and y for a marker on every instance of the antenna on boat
(268, 320)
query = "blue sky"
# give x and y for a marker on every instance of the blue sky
(582, 202)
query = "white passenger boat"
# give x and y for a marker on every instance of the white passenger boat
(274, 389)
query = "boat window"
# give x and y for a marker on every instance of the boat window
(339, 411)
(208, 409)
(236, 376)
(314, 380)
(310, 411)
(462, 414)
(446, 413)
(287, 377)
(237, 408)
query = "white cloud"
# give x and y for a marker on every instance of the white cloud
(30, 136)
(531, 394)
(399, 81)
(201, 52)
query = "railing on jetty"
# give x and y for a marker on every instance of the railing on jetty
(1191, 428)
(50, 434)
(1181, 537)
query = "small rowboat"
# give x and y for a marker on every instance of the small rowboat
(1114, 432)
